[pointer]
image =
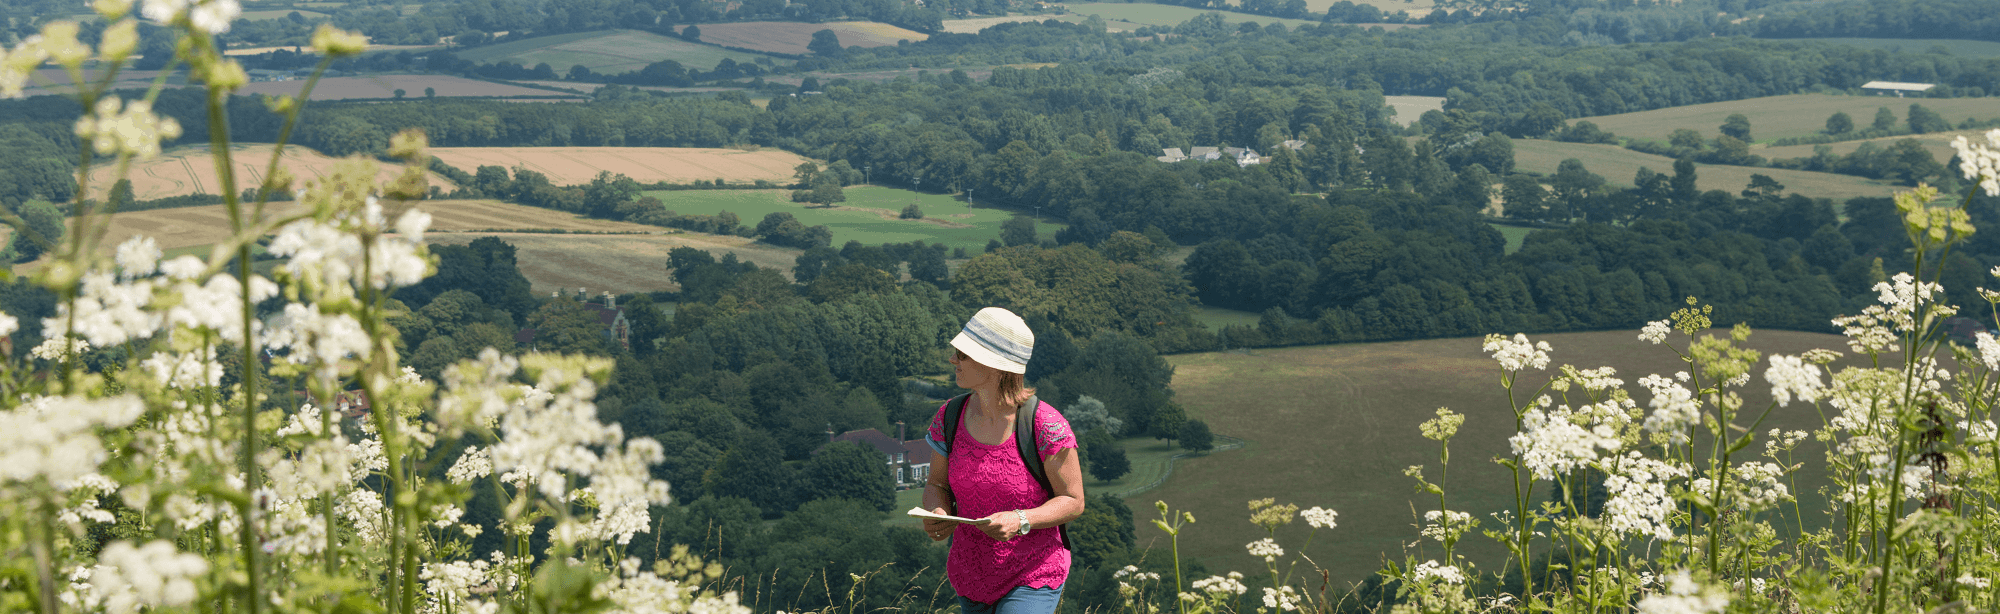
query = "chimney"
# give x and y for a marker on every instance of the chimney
(829, 432)
(900, 432)
(610, 301)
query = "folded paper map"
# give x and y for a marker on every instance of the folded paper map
(920, 513)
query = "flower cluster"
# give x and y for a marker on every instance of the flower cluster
(1554, 441)
(1518, 353)
(1432, 570)
(1267, 548)
(150, 576)
(1640, 502)
(132, 130)
(1284, 598)
(1684, 595)
(1320, 518)
(1221, 585)
(1980, 162)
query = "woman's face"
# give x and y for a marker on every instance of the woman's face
(970, 374)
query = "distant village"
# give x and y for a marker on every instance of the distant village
(1243, 156)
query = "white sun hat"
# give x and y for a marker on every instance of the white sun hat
(997, 338)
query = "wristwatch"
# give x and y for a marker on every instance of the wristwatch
(1023, 515)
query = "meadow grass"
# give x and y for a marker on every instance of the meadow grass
(1416, 8)
(1938, 143)
(614, 51)
(1952, 46)
(1515, 235)
(1168, 15)
(1334, 426)
(1777, 117)
(868, 216)
(1618, 165)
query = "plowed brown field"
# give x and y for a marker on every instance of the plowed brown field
(191, 170)
(791, 37)
(574, 165)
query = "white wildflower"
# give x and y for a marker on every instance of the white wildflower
(121, 128)
(58, 349)
(1674, 408)
(1552, 442)
(1320, 518)
(55, 438)
(1443, 573)
(1640, 502)
(1267, 548)
(138, 256)
(150, 576)
(1684, 595)
(185, 371)
(1980, 162)
(1285, 599)
(1220, 585)
(1989, 350)
(1790, 376)
(473, 464)
(1973, 581)
(1518, 353)
(1656, 332)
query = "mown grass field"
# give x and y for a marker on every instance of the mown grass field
(1216, 317)
(1938, 143)
(1334, 426)
(869, 215)
(1411, 108)
(791, 37)
(1960, 48)
(1618, 165)
(1515, 235)
(1131, 16)
(614, 51)
(1777, 117)
(1415, 8)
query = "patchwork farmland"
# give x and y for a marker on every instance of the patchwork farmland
(191, 170)
(870, 215)
(575, 165)
(383, 87)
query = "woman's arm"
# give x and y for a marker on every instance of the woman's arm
(938, 499)
(1066, 479)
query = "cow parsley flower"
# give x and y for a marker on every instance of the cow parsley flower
(473, 464)
(1433, 570)
(1790, 376)
(1684, 595)
(117, 127)
(185, 371)
(17, 65)
(1267, 548)
(150, 576)
(137, 257)
(1974, 581)
(1552, 441)
(1285, 599)
(1220, 585)
(1320, 518)
(1980, 162)
(1656, 332)
(1518, 353)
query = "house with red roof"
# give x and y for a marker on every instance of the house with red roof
(909, 458)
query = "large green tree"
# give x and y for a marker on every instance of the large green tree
(848, 470)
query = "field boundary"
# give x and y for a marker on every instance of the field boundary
(1226, 443)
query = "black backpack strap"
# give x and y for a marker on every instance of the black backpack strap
(953, 410)
(1027, 441)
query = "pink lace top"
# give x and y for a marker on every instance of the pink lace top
(991, 478)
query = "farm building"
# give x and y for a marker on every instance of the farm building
(1243, 156)
(1883, 88)
(911, 459)
(609, 315)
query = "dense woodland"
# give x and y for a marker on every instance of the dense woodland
(1365, 232)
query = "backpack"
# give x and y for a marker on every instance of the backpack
(1024, 442)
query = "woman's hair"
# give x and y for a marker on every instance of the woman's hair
(1013, 386)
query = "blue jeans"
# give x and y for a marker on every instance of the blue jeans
(1020, 600)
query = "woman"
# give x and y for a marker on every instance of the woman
(1014, 562)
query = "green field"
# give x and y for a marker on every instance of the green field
(1416, 8)
(281, 13)
(1334, 426)
(1618, 165)
(1168, 15)
(868, 216)
(1938, 143)
(614, 51)
(1515, 235)
(1960, 48)
(1216, 317)
(1777, 117)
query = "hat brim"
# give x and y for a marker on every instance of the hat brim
(979, 354)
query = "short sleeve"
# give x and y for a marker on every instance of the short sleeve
(1052, 432)
(935, 436)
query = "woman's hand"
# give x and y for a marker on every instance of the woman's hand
(939, 529)
(1002, 526)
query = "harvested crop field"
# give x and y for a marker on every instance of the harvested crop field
(385, 86)
(1938, 143)
(1132, 16)
(1777, 117)
(191, 170)
(574, 165)
(790, 37)
(1618, 165)
(196, 226)
(618, 263)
